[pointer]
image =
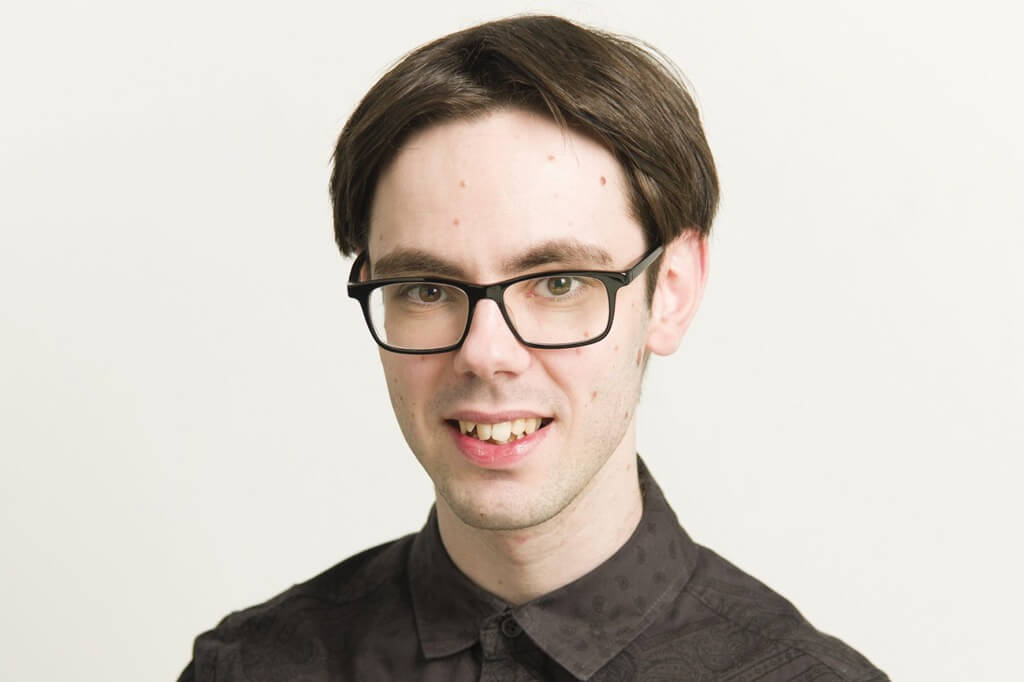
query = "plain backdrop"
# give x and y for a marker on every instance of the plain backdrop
(193, 416)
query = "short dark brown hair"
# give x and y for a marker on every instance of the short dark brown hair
(612, 89)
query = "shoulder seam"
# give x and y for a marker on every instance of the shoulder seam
(327, 599)
(789, 643)
(380, 580)
(295, 591)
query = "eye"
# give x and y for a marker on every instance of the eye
(557, 286)
(424, 293)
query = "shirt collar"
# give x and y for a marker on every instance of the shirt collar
(582, 625)
(447, 605)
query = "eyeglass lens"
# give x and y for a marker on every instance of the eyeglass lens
(549, 310)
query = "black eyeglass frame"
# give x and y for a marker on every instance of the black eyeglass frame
(613, 280)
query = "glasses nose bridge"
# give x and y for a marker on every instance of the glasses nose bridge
(492, 292)
(495, 292)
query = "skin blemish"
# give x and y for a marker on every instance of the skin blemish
(551, 157)
(639, 357)
(455, 222)
(603, 180)
(593, 396)
(462, 183)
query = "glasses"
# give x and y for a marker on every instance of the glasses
(558, 309)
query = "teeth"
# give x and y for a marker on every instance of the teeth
(501, 432)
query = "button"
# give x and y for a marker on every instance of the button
(510, 628)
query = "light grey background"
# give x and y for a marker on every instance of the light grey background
(192, 416)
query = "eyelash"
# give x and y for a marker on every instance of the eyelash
(405, 292)
(575, 285)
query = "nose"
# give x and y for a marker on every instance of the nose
(490, 348)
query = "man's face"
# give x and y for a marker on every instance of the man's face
(476, 195)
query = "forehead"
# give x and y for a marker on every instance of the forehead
(479, 191)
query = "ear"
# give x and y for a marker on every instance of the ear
(364, 267)
(681, 279)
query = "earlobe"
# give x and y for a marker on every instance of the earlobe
(681, 280)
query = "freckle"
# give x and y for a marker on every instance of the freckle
(593, 395)
(603, 181)
(455, 222)
(626, 416)
(551, 157)
(462, 183)
(615, 349)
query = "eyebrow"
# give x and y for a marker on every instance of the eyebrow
(563, 251)
(404, 262)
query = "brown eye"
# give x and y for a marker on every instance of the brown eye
(559, 286)
(423, 293)
(428, 293)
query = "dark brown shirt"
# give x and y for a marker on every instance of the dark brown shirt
(661, 608)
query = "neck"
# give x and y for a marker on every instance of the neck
(521, 565)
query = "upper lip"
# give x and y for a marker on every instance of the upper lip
(479, 417)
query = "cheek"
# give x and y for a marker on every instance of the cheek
(598, 376)
(410, 379)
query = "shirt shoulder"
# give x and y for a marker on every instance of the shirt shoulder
(755, 609)
(294, 634)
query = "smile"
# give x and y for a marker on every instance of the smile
(502, 432)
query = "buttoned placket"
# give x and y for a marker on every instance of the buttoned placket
(498, 642)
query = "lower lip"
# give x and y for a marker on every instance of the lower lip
(497, 456)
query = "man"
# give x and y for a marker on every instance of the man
(528, 201)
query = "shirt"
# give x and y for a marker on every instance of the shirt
(661, 608)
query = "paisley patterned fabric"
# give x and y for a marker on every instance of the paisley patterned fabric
(660, 609)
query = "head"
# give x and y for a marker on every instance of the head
(520, 146)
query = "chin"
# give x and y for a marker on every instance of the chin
(500, 505)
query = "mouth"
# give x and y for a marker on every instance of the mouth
(500, 433)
